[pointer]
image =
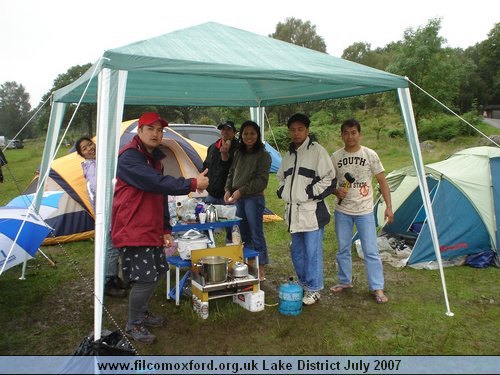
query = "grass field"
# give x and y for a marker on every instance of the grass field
(52, 310)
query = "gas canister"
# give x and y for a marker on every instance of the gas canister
(290, 295)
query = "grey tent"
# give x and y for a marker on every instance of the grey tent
(211, 65)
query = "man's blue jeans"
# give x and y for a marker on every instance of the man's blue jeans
(307, 258)
(365, 225)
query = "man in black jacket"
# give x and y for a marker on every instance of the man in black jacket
(219, 159)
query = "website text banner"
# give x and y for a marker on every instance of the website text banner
(250, 365)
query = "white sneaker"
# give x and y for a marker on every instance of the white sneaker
(310, 298)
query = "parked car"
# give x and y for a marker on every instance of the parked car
(209, 134)
(203, 134)
(15, 143)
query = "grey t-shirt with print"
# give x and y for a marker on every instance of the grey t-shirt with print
(362, 165)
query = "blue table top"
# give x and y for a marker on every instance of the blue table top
(222, 223)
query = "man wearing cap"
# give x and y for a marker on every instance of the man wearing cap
(140, 219)
(218, 161)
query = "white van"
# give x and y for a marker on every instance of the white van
(203, 134)
(2, 141)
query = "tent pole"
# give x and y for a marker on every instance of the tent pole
(111, 95)
(411, 132)
(56, 117)
(23, 272)
(257, 115)
(51, 262)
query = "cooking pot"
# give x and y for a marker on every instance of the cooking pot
(240, 269)
(214, 268)
(191, 240)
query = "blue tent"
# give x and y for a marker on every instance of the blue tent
(465, 194)
(275, 158)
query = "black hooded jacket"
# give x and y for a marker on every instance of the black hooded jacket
(217, 168)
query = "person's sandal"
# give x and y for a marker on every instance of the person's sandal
(262, 273)
(340, 287)
(381, 298)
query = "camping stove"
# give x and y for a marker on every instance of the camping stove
(205, 288)
(230, 284)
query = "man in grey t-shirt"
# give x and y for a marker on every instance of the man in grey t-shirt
(355, 207)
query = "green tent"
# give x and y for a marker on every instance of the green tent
(465, 190)
(211, 65)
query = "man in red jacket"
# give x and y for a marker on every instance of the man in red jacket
(140, 219)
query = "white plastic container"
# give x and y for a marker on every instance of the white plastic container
(227, 211)
(253, 302)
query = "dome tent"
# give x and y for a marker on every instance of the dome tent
(74, 218)
(465, 191)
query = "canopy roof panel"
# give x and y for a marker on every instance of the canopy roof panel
(217, 65)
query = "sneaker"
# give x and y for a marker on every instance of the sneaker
(141, 334)
(112, 291)
(311, 298)
(152, 320)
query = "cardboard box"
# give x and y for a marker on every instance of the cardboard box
(250, 301)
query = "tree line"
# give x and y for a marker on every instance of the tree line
(464, 80)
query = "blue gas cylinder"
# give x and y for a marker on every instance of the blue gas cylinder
(290, 295)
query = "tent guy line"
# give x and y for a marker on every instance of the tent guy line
(452, 112)
(27, 122)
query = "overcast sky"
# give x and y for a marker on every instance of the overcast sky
(42, 39)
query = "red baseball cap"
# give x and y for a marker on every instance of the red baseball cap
(150, 117)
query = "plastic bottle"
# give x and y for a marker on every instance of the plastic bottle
(186, 211)
(172, 210)
(200, 207)
(179, 207)
(235, 235)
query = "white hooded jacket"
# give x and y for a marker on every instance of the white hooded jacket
(306, 177)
